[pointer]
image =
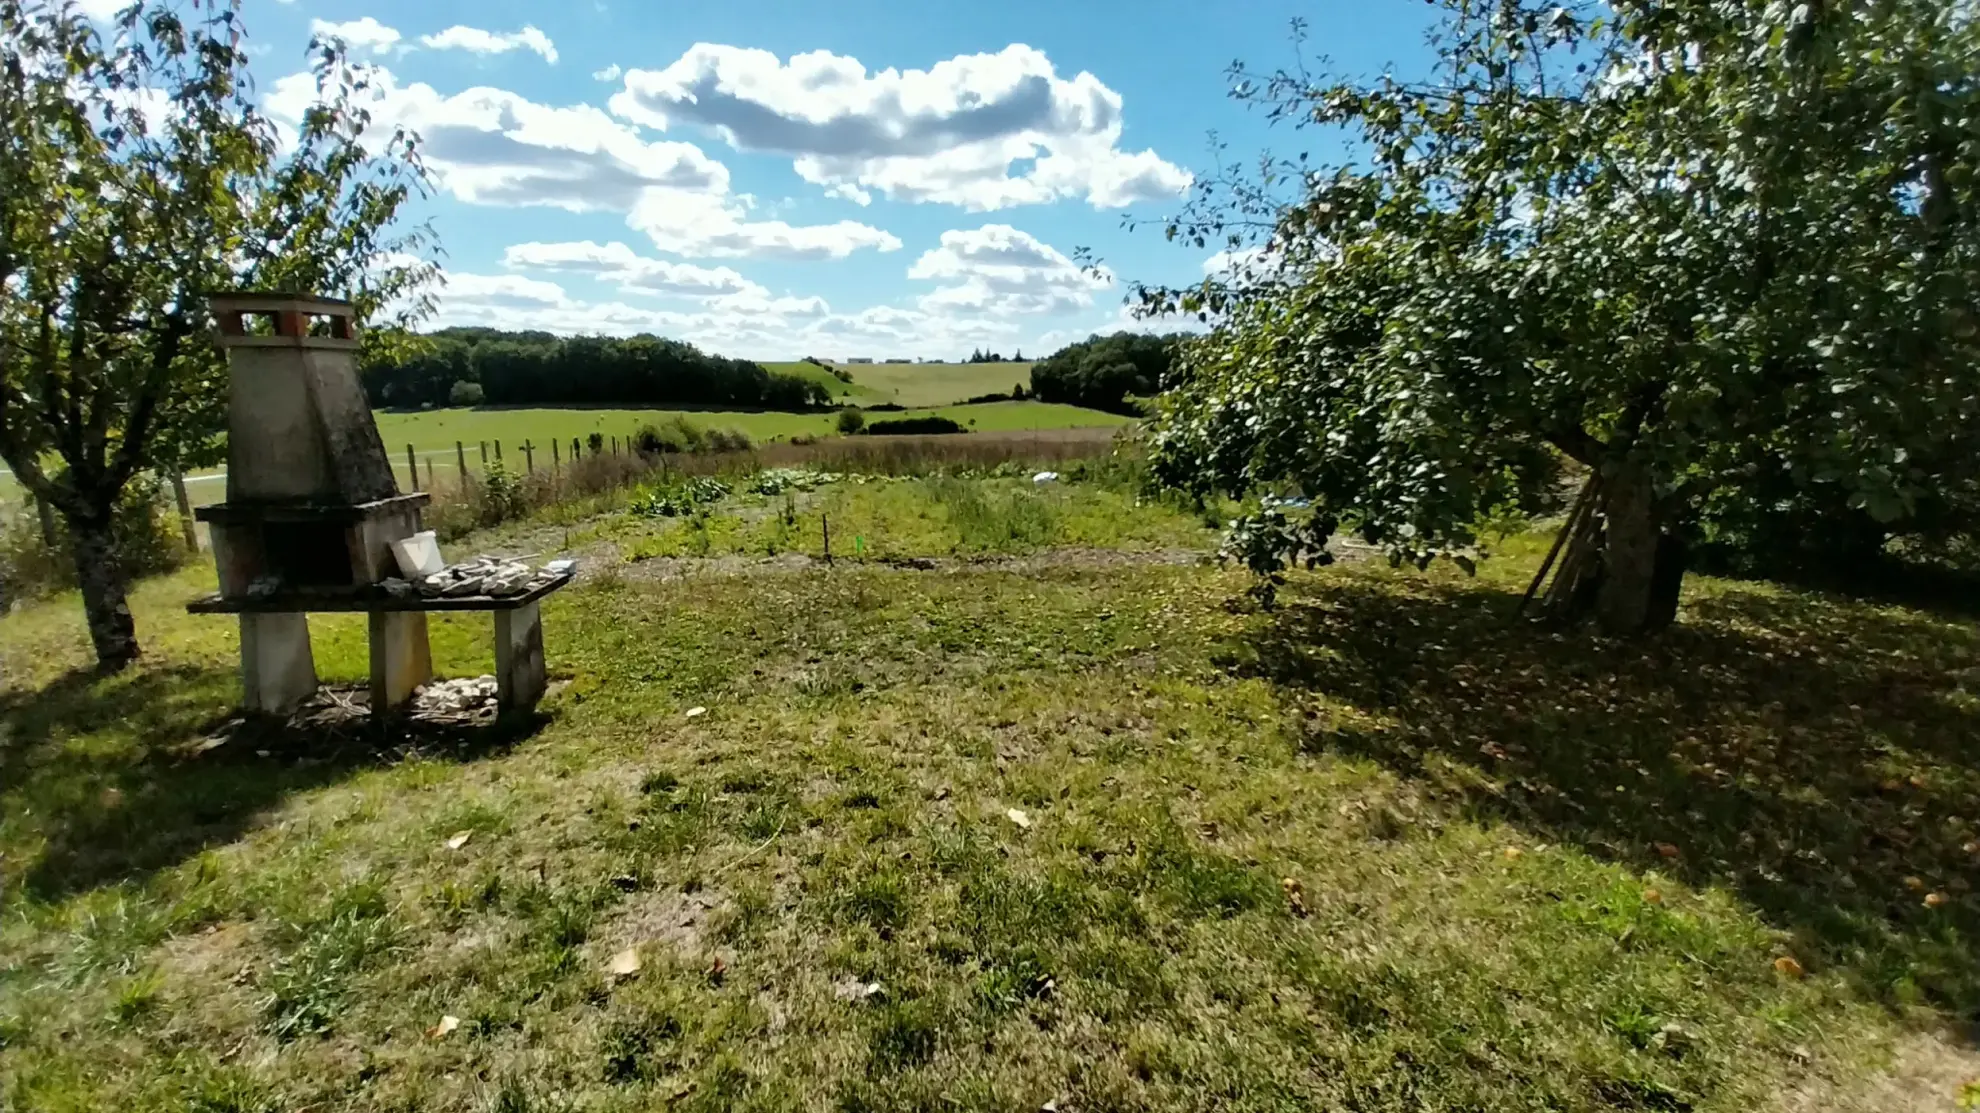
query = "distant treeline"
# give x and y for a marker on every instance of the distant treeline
(480, 366)
(1106, 372)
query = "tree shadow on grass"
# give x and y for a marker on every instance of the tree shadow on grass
(122, 776)
(1820, 757)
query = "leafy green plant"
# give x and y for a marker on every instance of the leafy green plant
(679, 498)
(729, 440)
(776, 481)
(147, 539)
(676, 435)
(499, 496)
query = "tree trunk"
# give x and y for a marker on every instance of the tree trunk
(1667, 581)
(105, 606)
(1641, 568)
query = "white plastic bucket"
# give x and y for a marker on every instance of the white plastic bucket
(418, 555)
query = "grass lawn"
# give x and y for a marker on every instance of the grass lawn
(908, 518)
(437, 430)
(1076, 829)
(917, 384)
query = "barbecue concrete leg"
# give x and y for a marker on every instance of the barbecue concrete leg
(519, 675)
(401, 659)
(277, 669)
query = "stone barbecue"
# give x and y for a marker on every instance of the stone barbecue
(312, 510)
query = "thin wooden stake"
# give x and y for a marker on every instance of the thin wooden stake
(529, 457)
(828, 537)
(412, 464)
(553, 454)
(484, 454)
(185, 511)
(460, 457)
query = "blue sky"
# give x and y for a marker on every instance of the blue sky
(836, 178)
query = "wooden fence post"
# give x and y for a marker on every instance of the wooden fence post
(412, 464)
(498, 452)
(553, 455)
(615, 446)
(574, 450)
(185, 511)
(529, 456)
(484, 454)
(827, 522)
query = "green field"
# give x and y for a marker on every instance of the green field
(1015, 806)
(437, 430)
(915, 384)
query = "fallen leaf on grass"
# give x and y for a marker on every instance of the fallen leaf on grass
(1915, 884)
(1295, 896)
(1513, 853)
(1786, 966)
(446, 1025)
(1017, 816)
(459, 839)
(1667, 850)
(852, 989)
(1934, 900)
(696, 712)
(624, 964)
(1652, 896)
(718, 970)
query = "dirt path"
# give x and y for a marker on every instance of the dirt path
(1926, 1074)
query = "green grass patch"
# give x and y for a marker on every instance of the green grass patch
(875, 518)
(1535, 870)
(437, 430)
(916, 385)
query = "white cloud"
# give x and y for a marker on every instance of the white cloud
(493, 147)
(709, 226)
(983, 131)
(752, 325)
(1001, 271)
(477, 41)
(359, 34)
(609, 73)
(503, 291)
(634, 273)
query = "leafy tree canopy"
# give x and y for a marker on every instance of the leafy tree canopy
(537, 368)
(137, 179)
(1106, 372)
(1702, 248)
